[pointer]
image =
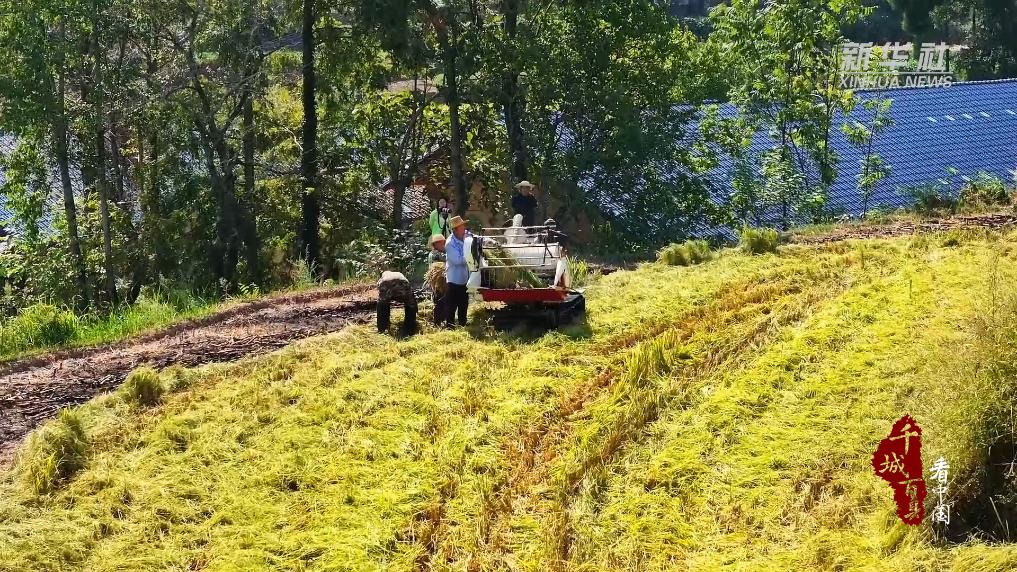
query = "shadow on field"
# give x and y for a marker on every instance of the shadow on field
(990, 513)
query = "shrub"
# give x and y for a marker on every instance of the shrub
(53, 453)
(985, 191)
(952, 238)
(759, 240)
(685, 254)
(932, 199)
(143, 386)
(301, 275)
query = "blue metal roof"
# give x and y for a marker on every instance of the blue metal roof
(968, 126)
(55, 200)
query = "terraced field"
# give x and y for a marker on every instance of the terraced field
(720, 416)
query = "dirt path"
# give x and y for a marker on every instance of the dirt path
(34, 389)
(905, 228)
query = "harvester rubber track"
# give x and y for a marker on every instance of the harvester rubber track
(547, 315)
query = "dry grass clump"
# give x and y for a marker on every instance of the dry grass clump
(685, 254)
(143, 386)
(53, 454)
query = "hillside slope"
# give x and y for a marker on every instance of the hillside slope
(714, 417)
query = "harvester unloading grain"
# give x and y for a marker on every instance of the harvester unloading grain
(527, 269)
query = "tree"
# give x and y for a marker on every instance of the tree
(873, 168)
(612, 94)
(218, 57)
(786, 83)
(101, 181)
(513, 100)
(36, 36)
(991, 30)
(393, 21)
(916, 18)
(310, 207)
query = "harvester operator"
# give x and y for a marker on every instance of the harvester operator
(524, 203)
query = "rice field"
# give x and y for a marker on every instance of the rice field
(705, 417)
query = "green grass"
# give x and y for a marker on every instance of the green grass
(685, 254)
(759, 240)
(43, 327)
(717, 416)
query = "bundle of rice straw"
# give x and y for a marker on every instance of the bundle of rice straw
(509, 277)
(435, 278)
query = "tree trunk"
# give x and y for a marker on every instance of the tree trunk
(248, 219)
(151, 205)
(514, 102)
(116, 160)
(60, 139)
(309, 206)
(450, 57)
(399, 186)
(101, 181)
(403, 166)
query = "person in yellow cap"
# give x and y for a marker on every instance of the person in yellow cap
(437, 254)
(457, 299)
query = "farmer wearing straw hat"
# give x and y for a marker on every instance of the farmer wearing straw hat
(456, 299)
(524, 203)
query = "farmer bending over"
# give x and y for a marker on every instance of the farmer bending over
(394, 287)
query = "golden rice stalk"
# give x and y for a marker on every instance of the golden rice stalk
(509, 277)
(435, 278)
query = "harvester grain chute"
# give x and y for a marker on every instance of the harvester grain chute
(527, 269)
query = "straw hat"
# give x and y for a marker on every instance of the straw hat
(435, 238)
(457, 221)
(525, 184)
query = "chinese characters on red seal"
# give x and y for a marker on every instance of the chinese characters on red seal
(898, 461)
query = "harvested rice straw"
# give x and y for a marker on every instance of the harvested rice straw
(435, 278)
(509, 277)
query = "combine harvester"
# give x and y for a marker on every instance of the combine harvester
(536, 255)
